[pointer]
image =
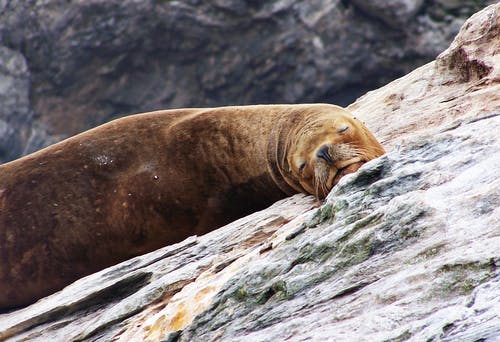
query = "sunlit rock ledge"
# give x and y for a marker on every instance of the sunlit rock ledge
(405, 249)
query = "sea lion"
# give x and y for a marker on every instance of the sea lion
(144, 181)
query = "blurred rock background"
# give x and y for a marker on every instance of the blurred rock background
(66, 66)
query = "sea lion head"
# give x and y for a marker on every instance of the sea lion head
(328, 146)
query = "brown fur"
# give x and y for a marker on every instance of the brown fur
(141, 182)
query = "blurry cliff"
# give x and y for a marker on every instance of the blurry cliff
(405, 249)
(66, 66)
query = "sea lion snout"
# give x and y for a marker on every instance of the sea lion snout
(338, 156)
(324, 153)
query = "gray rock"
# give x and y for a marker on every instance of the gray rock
(404, 249)
(92, 61)
(394, 13)
(39, 138)
(392, 259)
(15, 111)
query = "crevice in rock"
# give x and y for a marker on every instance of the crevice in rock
(93, 301)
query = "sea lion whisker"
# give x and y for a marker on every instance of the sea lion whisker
(361, 152)
(325, 188)
(316, 189)
(321, 172)
(344, 163)
(368, 153)
(317, 183)
(357, 149)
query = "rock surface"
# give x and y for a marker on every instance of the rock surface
(85, 62)
(404, 249)
(15, 115)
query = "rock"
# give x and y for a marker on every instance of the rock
(404, 249)
(442, 94)
(92, 61)
(15, 111)
(392, 12)
(39, 138)
(144, 284)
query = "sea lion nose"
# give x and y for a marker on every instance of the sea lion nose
(323, 153)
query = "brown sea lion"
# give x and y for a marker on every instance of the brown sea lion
(144, 181)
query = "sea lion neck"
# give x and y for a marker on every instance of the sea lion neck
(278, 148)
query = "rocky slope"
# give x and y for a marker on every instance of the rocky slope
(66, 66)
(404, 249)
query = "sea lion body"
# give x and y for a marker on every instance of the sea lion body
(144, 181)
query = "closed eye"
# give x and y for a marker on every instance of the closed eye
(342, 129)
(302, 165)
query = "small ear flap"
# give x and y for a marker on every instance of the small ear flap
(342, 128)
